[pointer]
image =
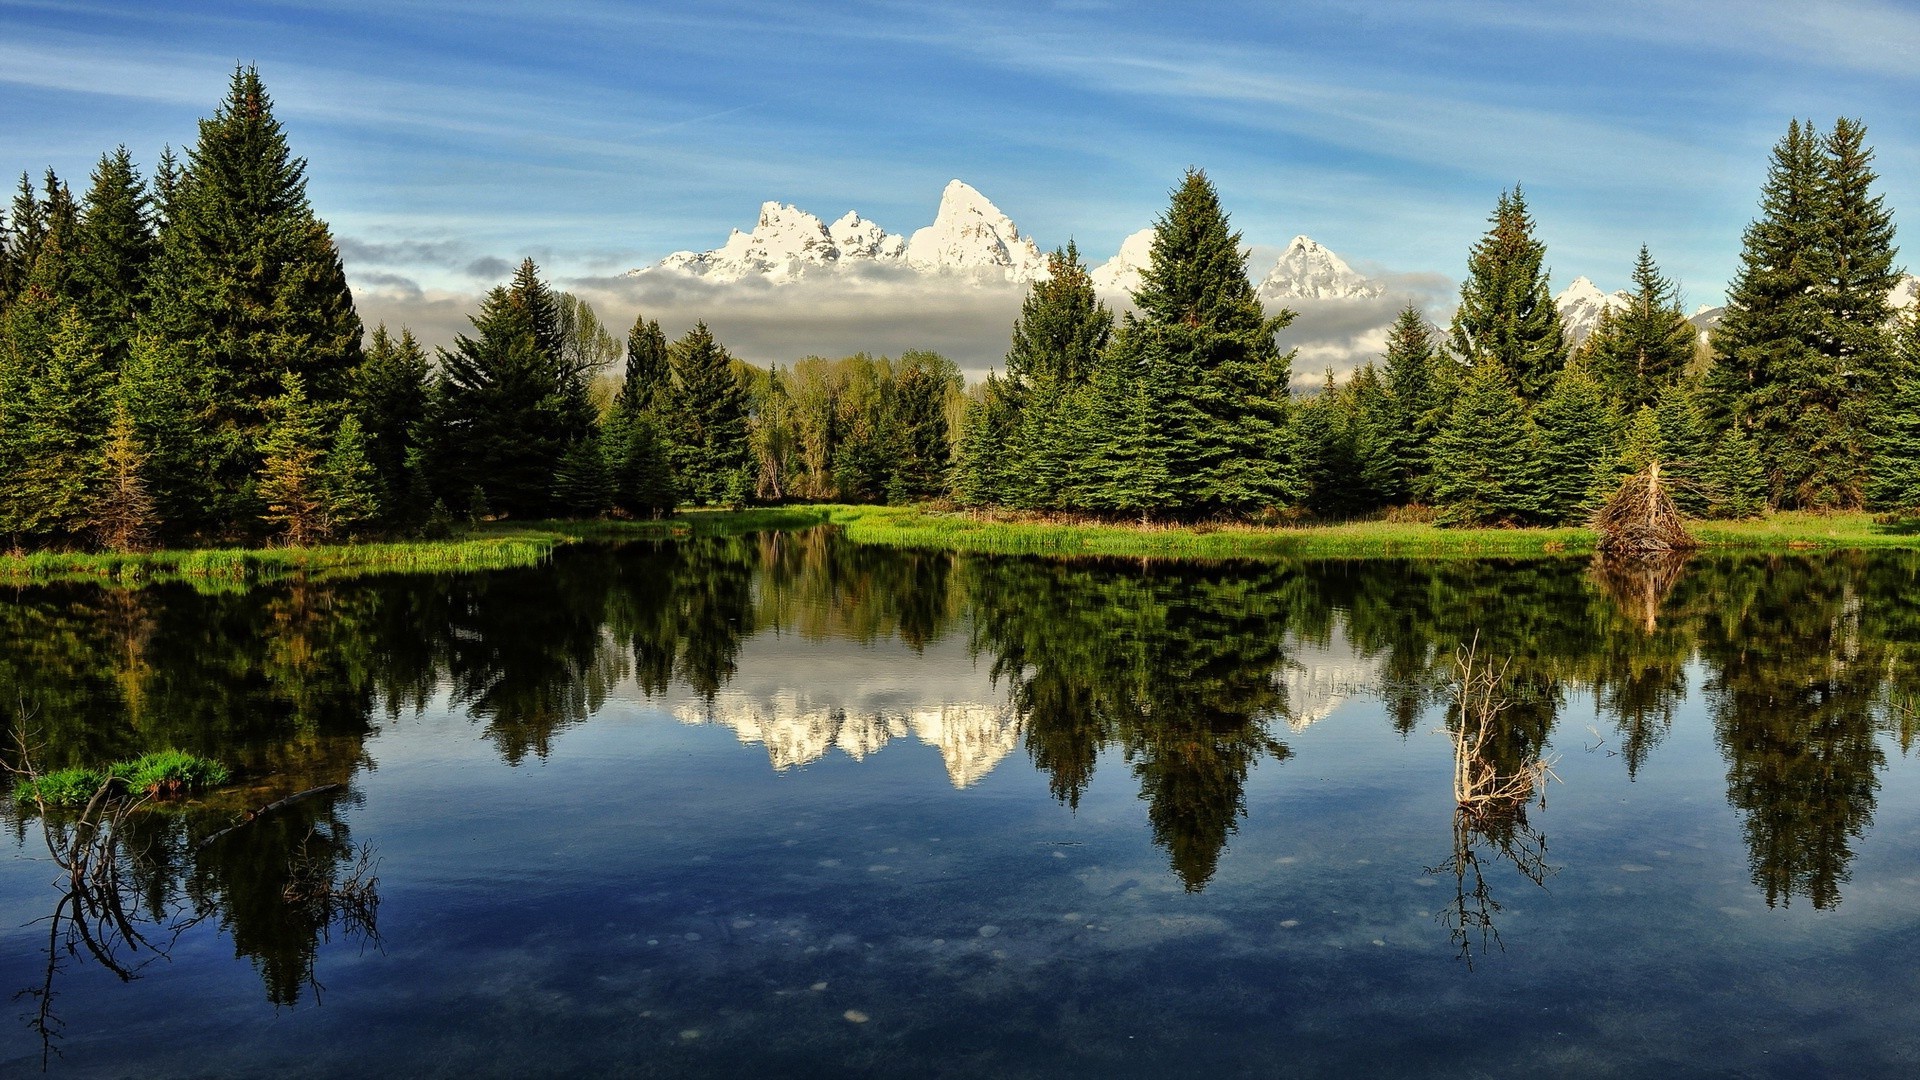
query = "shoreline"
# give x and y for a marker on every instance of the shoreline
(505, 545)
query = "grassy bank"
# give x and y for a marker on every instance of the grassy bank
(247, 565)
(912, 527)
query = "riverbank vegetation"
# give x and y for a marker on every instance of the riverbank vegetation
(182, 367)
(160, 774)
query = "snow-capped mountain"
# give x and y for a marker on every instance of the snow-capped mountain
(969, 237)
(1581, 304)
(1308, 271)
(972, 737)
(1120, 275)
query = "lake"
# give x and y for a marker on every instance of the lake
(780, 805)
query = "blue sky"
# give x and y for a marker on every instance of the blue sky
(448, 138)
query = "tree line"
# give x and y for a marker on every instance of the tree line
(181, 361)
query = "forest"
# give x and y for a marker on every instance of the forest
(181, 363)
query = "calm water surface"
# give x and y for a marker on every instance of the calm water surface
(777, 805)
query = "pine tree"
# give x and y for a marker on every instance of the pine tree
(1205, 346)
(1895, 485)
(292, 483)
(391, 392)
(504, 410)
(1485, 455)
(248, 288)
(709, 414)
(1802, 357)
(125, 517)
(1506, 313)
(154, 390)
(1132, 411)
(26, 232)
(647, 384)
(1736, 478)
(59, 468)
(1578, 434)
(1639, 351)
(114, 250)
(981, 472)
(583, 482)
(1062, 330)
(917, 423)
(642, 475)
(349, 483)
(1414, 406)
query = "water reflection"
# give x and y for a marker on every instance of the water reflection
(1190, 675)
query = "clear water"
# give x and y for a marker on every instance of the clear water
(777, 805)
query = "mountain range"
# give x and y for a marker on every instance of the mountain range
(971, 241)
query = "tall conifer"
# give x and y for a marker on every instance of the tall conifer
(1506, 313)
(1639, 351)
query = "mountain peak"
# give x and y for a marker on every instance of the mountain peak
(971, 235)
(1307, 270)
(1582, 303)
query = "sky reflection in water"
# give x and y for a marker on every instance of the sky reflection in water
(778, 804)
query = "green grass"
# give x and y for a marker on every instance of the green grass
(250, 565)
(959, 531)
(162, 773)
(919, 528)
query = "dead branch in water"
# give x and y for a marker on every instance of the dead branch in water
(256, 814)
(1480, 785)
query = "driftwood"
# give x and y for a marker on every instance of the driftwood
(1641, 519)
(254, 815)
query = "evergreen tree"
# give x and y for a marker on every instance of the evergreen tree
(391, 391)
(710, 417)
(1684, 447)
(583, 482)
(647, 384)
(1578, 431)
(1484, 457)
(349, 483)
(1506, 313)
(642, 475)
(248, 287)
(504, 410)
(981, 471)
(1205, 345)
(1803, 362)
(1895, 485)
(1414, 406)
(1133, 410)
(1736, 479)
(917, 423)
(114, 250)
(1639, 351)
(51, 493)
(292, 477)
(155, 393)
(125, 516)
(1062, 330)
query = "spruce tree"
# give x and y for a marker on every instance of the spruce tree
(647, 383)
(114, 250)
(917, 424)
(1062, 330)
(1639, 351)
(1736, 481)
(1506, 313)
(1485, 456)
(1136, 425)
(349, 483)
(292, 483)
(501, 414)
(59, 469)
(981, 472)
(642, 475)
(1578, 432)
(125, 517)
(26, 232)
(248, 287)
(1204, 342)
(1895, 484)
(1414, 406)
(709, 415)
(583, 482)
(1856, 240)
(391, 392)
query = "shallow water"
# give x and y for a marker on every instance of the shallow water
(780, 805)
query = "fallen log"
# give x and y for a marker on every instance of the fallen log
(256, 814)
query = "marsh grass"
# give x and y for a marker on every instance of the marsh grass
(212, 567)
(161, 774)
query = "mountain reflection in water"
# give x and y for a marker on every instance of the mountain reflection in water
(1180, 678)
